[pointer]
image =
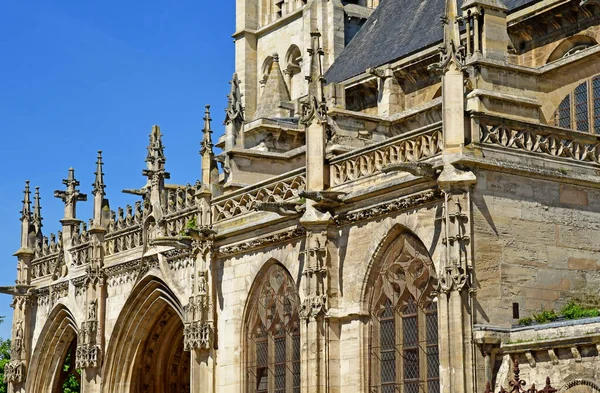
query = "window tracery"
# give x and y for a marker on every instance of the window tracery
(580, 109)
(404, 340)
(273, 335)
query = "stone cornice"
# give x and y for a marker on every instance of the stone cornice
(262, 242)
(403, 203)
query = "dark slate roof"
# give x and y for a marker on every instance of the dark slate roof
(395, 29)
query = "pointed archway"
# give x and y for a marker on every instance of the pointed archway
(55, 348)
(145, 352)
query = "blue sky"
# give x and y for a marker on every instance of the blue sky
(81, 76)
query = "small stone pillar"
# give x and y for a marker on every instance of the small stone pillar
(486, 19)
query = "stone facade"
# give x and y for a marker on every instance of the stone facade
(383, 233)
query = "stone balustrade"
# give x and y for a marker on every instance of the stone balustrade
(537, 139)
(418, 145)
(278, 189)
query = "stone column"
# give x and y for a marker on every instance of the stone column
(15, 372)
(313, 311)
(90, 338)
(390, 98)
(455, 268)
(491, 38)
(200, 313)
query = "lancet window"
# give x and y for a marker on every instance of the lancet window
(273, 335)
(404, 327)
(580, 109)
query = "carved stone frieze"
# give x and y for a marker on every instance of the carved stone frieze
(262, 242)
(123, 273)
(396, 205)
(179, 258)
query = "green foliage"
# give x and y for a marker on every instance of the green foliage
(192, 224)
(72, 383)
(4, 359)
(545, 316)
(525, 321)
(575, 310)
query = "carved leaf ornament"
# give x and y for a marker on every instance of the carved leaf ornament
(407, 272)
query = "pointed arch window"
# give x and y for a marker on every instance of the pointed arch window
(273, 339)
(580, 109)
(404, 338)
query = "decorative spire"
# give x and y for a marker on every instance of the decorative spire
(274, 94)
(451, 50)
(37, 211)
(210, 172)
(207, 145)
(71, 195)
(99, 185)
(315, 105)
(155, 159)
(26, 211)
(235, 110)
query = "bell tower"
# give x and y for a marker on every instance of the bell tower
(264, 137)
(272, 37)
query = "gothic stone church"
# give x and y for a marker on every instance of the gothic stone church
(391, 195)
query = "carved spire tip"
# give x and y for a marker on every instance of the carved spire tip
(99, 185)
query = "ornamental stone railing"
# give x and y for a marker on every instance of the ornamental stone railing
(495, 132)
(417, 145)
(181, 198)
(282, 188)
(44, 266)
(82, 254)
(124, 232)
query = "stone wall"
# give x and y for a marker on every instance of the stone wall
(535, 244)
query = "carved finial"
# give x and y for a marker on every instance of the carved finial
(155, 160)
(207, 145)
(315, 105)
(71, 195)
(235, 110)
(451, 50)
(99, 185)
(37, 211)
(26, 211)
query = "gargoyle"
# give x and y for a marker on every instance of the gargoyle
(421, 169)
(282, 208)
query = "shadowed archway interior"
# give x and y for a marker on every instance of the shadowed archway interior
(146, 355)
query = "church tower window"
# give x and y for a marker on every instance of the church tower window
(273, 335)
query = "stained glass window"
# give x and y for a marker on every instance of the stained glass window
(580, 109)
(404, 346)
(273, 362)
(596, 97)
